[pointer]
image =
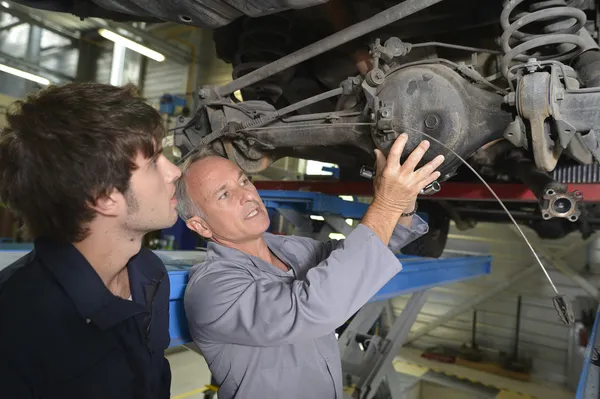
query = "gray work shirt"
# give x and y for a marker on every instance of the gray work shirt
(269, 334)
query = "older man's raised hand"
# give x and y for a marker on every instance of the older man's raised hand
(397, 185)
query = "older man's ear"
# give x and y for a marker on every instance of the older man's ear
(199, 225)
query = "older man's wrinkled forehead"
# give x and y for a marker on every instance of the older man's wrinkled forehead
(206, 175)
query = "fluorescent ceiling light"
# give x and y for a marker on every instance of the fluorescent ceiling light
(24, 75)
(5, 4)
(130, 44)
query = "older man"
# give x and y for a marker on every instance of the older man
(263, 308)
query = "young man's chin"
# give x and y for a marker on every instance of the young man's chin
(170, 223)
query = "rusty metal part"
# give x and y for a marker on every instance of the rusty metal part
(437, 100)
(249, 166)
(532, 104)
(561, 205)
(553, 197)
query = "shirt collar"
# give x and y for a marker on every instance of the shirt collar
(92, 299)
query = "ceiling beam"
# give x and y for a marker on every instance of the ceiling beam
(169, 49)
(33, 68)
(22, 13)
(11, 25)
(162, 45)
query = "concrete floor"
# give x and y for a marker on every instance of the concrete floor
(189, 373)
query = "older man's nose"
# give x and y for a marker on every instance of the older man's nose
(246, 196)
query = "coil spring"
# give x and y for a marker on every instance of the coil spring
(561, 25)
(262, 41)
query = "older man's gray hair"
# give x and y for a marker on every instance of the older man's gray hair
(186, 207)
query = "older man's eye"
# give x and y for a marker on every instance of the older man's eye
(224, 195)
(245, 181)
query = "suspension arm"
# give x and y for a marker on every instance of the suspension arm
(582, 109)
(312, 133)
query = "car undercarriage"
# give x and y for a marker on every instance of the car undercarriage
(513, 87)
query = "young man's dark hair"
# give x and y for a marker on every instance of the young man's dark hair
(86, 313)
(65, 146)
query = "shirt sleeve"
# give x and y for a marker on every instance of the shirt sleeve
(401, 237)
(225, 304)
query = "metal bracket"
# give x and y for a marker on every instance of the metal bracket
(515, 133)
(561, 204)
(592, 142)
(532, 104)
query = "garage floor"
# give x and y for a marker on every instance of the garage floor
(189, 373)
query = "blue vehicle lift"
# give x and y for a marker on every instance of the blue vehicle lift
(589, 381)
(367, 369)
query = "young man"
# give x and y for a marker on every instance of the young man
(85, 314)
(263, 308)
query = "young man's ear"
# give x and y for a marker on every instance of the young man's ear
(108, 205)
(199, 225)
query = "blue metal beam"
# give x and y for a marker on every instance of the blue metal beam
(589, 382)
(422, 273)
(417, 274)
(313, 203)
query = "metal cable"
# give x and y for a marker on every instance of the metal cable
(457, 47)
(493, 193)
(460, 68)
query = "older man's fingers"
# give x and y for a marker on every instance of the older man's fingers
(393, 159)
(429, 179)
(429, 168)
(415, 157)
(379, 162)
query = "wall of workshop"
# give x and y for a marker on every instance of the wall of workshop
(543, 337)
(14, 43)
(103, 65)
(60, 54)
(55, 53)
(132, 73)
(173, 78)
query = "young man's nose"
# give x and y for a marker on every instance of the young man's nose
(173, 172)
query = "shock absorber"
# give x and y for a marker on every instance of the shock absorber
(561, 27)
(262, 41)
